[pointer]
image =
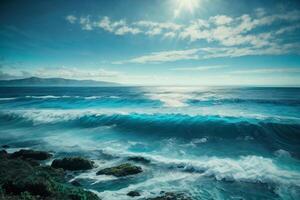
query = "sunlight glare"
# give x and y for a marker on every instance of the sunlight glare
(185, 5)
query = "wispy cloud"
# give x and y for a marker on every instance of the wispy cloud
(227, 36)
(212, 52)
(199, 68)
(164, 56)
(71, 19)
(226, 30)
(268, 70)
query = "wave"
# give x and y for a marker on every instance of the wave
(254, 169)
(205, 101)
(8, 98)
(281, 135)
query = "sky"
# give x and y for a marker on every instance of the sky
(153, 42)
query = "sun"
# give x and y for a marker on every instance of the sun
(185, 6)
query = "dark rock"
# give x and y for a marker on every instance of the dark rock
(171, 196)
(5, 146)
(3, 154)
(31, 154)
(139, 159)
(121, 170)
(72, 163)
(20, 180)
(133, 194)
(75, 183)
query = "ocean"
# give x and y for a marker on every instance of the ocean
(207, 142)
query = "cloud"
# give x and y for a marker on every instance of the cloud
(199, 68)
(71, 19)
(268, 70)
(213, 52)
(221, 19)
(226, 30)
(86, 23)
(165, 56)
(259, 33)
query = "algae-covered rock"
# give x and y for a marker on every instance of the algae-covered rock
(72, 163)
(20, 180)
(31, 154)
(133, 194)
(121, 170)
(171, 196)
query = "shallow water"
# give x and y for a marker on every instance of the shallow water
(209, 142)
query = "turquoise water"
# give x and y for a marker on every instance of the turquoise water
(209, 142)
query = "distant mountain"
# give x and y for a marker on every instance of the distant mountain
(54, 82)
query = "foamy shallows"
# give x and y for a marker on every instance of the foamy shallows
(206, 143)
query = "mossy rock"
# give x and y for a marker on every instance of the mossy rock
(121, 170)
(31, 154)
(20, 180)
(171, 196)
(72, 164)
(133, 194)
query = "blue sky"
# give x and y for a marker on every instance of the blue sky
(153, 42)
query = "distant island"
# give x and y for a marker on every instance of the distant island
(54, 82)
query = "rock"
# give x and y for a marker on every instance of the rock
(133, 194)
(20, 180)
(171, 196)
(31, 154)
(5, 146)
(3, 154)
(139, 159)
(121, 170)
(72, 163)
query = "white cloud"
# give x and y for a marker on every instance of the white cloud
(200, 68)
(268, 70)
(165, 56)
(71, 19)
(221, 19)
(86, 23)
(229, 36)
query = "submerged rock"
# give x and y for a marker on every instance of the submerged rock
(171, 196)
(20, 180)
(121, 170)
(31, 154)
(72, 163)
(139, 159)
(133, 194)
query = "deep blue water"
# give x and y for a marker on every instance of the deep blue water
(210, 142)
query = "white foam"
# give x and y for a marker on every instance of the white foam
(8, 98)
(246, 168)
(93, 97)
(171, 99)
(44, 97)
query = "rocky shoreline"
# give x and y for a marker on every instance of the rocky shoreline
(24, 176)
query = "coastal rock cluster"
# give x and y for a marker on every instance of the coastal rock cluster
(23, 175)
